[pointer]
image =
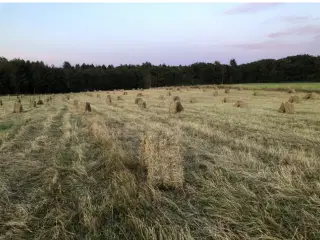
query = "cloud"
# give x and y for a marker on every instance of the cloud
(307, 30)
(291, 19)
(251, 8)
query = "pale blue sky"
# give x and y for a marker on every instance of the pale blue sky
(160, 33)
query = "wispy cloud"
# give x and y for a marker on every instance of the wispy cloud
(292, 19)
(251, 8)
(307, 30)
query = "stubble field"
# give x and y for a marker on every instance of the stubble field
(213, 171)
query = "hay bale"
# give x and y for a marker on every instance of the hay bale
(139, 95)
(286, 107)
(310, 95)
(255, 93)
(240, 104)
(225, 100)
(34, 103)
(40, 102)
(142, 103)
(119, 98)
(175, 106)
(136, 101)
(161, 154)
(291, 90)
(204, 90)
(125, 93)
(161, 97)
(17, 107)
(176, 98)
(193, 100)
(227, 90)
(87, 107)
(1, 103)
(294, 99)
(240, 88)
(98, 95)
(109, 99)
(169, 93)
(215, 93)
(75, 103)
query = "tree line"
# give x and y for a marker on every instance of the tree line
(19, 76)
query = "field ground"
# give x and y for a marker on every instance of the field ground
(250, 173)
(281, 86)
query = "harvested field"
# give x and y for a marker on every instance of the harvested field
(213, 171)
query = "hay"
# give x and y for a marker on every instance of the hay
(119, 98)
(142, 103)
(291, 90)
(286, 108)
(161, 97)
(240, 104)
(176, 98)
(294, 99)
(98, 95)
(225, 100)
(1, 103)
(204, 90)
(40, 102)
(311, 96)
(193, 100)
(125, 93)
(136, 101)
(169, 93)
(175, 106)
(215, 93)
(34, 103)
(227, 90)
(75, 103)
(17, 108)
(240, 88)
(109, 99)
(139, 95)
(161, 153)
(87, 107)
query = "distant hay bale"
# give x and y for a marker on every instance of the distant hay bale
(98, 95)
(17, 107)
(291, 90)
(162, 155)
(294, 99)
(34, 103)
(18, 100)
(161, 97)
(139, 95)
(240, 88)
(176, 98)
(125, 93)
(204, 90)
(240, 104)
(175, 106)
(169, 93)
(311, 96)
(75, 103)
(1, 103)
(215, 93)
(142, 103)
(227, 90)
(136, 101)
(109, 99)
(215, 87)
(119, 98)
(40, 102)
(68, 97)
(286, 107)
(225, 100)
(193, 100)
(87, 107)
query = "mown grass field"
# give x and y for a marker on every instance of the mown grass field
(246, 173)
(315, 86)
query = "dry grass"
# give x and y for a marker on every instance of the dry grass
(211, 172)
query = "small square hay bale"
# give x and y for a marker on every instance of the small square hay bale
(286, 108)
(162, 155)
(227, 90)
(294, 99)
(17, 108)
(240, 104)
(142, 103)
(161, 97)
(87, 107)
(40, 102)
(225, 100)
(291, 90)
(193, 100)
(175, 107)
(215, 93)
(109, 100)
(310, 95)
(136, 101)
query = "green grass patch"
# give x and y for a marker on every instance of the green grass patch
(4, 126)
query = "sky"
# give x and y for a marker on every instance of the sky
(169, 33)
